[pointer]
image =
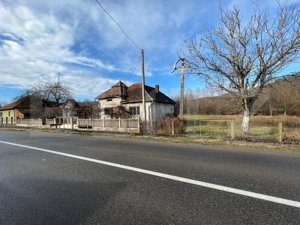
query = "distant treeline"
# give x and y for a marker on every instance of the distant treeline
(282, 97)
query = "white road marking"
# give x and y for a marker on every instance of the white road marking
(168, 176)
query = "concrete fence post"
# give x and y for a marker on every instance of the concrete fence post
(138, 125)
(173, 127)
(103, 123)
(232, 130)
(72, 123)
(280, 132)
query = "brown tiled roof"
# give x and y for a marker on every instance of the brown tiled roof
(118, 90)
(134, 94)
(23, 103)
(11, 105)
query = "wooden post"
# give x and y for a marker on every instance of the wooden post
(232, 130)
(199, 127)
(194, 127)
(280, 132)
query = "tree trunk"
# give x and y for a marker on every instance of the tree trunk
(245, 123)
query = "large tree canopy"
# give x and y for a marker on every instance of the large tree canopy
(242, 57)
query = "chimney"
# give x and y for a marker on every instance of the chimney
(156, 88)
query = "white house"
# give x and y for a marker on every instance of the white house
(120, 97)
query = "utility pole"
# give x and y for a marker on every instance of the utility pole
(181, 89)
(143, 90)
(181, 68)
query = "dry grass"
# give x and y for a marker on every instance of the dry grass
(262, 128)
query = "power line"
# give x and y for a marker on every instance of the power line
(116, 22)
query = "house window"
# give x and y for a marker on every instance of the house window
(134, 110)
(109, 100)
(9, 114)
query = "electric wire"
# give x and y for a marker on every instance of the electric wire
(120, 27)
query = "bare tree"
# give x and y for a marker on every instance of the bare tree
(54, 91)
(241, 58)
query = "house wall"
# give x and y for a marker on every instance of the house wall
(148, 109)
(108, 103)
(7, 116)
(159, 110)
(154, 110)
(18, 115)
(10, 116)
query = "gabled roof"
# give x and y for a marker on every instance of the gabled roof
(23, 103)
(133, 94)
(10, 106)
(117, 90)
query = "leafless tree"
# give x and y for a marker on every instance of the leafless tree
(55, 91)
(242, 57)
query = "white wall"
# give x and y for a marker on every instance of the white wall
(159, 110)
(108, 104)
(154, 110)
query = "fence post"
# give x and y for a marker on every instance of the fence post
(232, 130)
(199, 122)
(119, 124)
(194, 127)
(280, 132)
(138, 125)
(173, 127)
(103, 123)
(72, 124)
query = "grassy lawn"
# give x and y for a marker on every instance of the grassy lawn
(261, 127)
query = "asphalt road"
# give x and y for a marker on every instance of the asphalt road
(38, 187)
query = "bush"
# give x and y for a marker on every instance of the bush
(164, 126)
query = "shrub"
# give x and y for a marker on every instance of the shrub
(164, 126)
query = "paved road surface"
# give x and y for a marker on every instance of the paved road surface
(38, 187)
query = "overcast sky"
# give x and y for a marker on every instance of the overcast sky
(75, 38)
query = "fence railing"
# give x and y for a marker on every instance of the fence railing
(110, 124)
(29, 122)
(279, 132)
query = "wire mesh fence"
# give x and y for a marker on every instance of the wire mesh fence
(262, 129)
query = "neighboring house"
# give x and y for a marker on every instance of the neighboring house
(120, 97)
(85, 109)
(27, 107)
(70, 108)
